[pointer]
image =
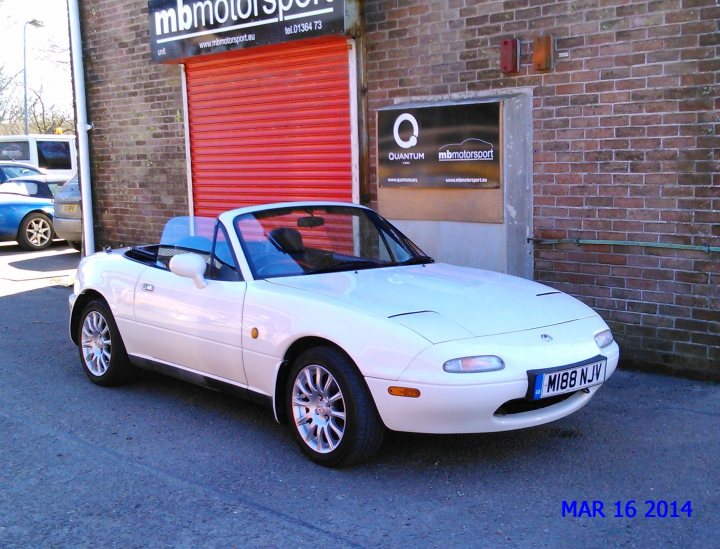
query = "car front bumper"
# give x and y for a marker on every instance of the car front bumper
(455, 409)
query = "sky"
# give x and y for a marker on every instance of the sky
(48, 49)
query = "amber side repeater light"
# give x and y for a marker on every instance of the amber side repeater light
(404, 392)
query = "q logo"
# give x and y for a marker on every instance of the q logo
(406, 144)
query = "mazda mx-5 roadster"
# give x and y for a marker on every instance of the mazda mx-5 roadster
(343, 326)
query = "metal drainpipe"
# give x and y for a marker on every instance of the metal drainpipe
(82, 127)
(701, 248)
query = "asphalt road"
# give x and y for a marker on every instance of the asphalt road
(159, 463)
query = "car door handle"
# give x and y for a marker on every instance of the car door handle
(148, 288)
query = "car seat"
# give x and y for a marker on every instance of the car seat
(287, 240)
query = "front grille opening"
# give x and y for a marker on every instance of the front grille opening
(520, 405)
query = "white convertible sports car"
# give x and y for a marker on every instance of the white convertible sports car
(334, 318)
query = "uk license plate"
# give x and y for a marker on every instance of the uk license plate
(567, 379)
(69, 208)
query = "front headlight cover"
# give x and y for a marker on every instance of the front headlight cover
(604, 338)
(474, 364)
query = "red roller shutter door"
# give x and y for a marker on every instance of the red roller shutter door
(271, 124)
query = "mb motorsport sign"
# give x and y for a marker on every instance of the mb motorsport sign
(442, 147)
(188, 28)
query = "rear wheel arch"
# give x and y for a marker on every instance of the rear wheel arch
(101, 348)
(41, 212)
(40, 230)
(80, 303)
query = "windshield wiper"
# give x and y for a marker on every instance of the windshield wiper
(345, 266)
(417, 260)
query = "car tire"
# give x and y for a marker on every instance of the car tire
(102, 351)
(35, 232)
(330, 410)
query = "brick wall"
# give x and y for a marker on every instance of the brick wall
(137, 144)
(625, 138)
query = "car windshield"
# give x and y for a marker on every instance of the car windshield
(195, 233)
(306, 240)
(189, 232)
(9, 172)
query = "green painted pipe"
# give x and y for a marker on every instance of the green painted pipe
(703, 248)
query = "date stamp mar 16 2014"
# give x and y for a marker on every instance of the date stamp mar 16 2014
(649, 509)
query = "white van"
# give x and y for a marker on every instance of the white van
(55, 153)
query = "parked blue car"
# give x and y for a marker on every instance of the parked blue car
(10, 170)
(26, 213)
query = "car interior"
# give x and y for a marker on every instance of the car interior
(220, 264)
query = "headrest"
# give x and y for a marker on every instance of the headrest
(289, 240)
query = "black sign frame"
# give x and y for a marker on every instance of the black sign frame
(180, 29)
(440, 146)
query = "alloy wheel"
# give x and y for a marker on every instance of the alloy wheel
(96, 343)
(318, 409)
(38, 232)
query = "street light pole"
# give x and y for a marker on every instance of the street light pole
(34, 23)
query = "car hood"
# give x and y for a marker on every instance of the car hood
(444, 302)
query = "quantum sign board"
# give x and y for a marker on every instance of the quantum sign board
(444, 147)
(188, 28)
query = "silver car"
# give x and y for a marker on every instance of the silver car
(68, 213)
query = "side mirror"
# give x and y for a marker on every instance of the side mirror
(189, 265)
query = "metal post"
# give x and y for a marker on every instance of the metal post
(83, 127)
(34, 23)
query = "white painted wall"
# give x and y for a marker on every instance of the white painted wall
(479, 245)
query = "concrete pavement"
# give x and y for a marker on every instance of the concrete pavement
(21, 270)
(160, 463)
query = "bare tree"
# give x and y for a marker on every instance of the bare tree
(43, 117)
(10, 107)
(47, 118)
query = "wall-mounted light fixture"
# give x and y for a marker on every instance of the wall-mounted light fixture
(543, 53)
